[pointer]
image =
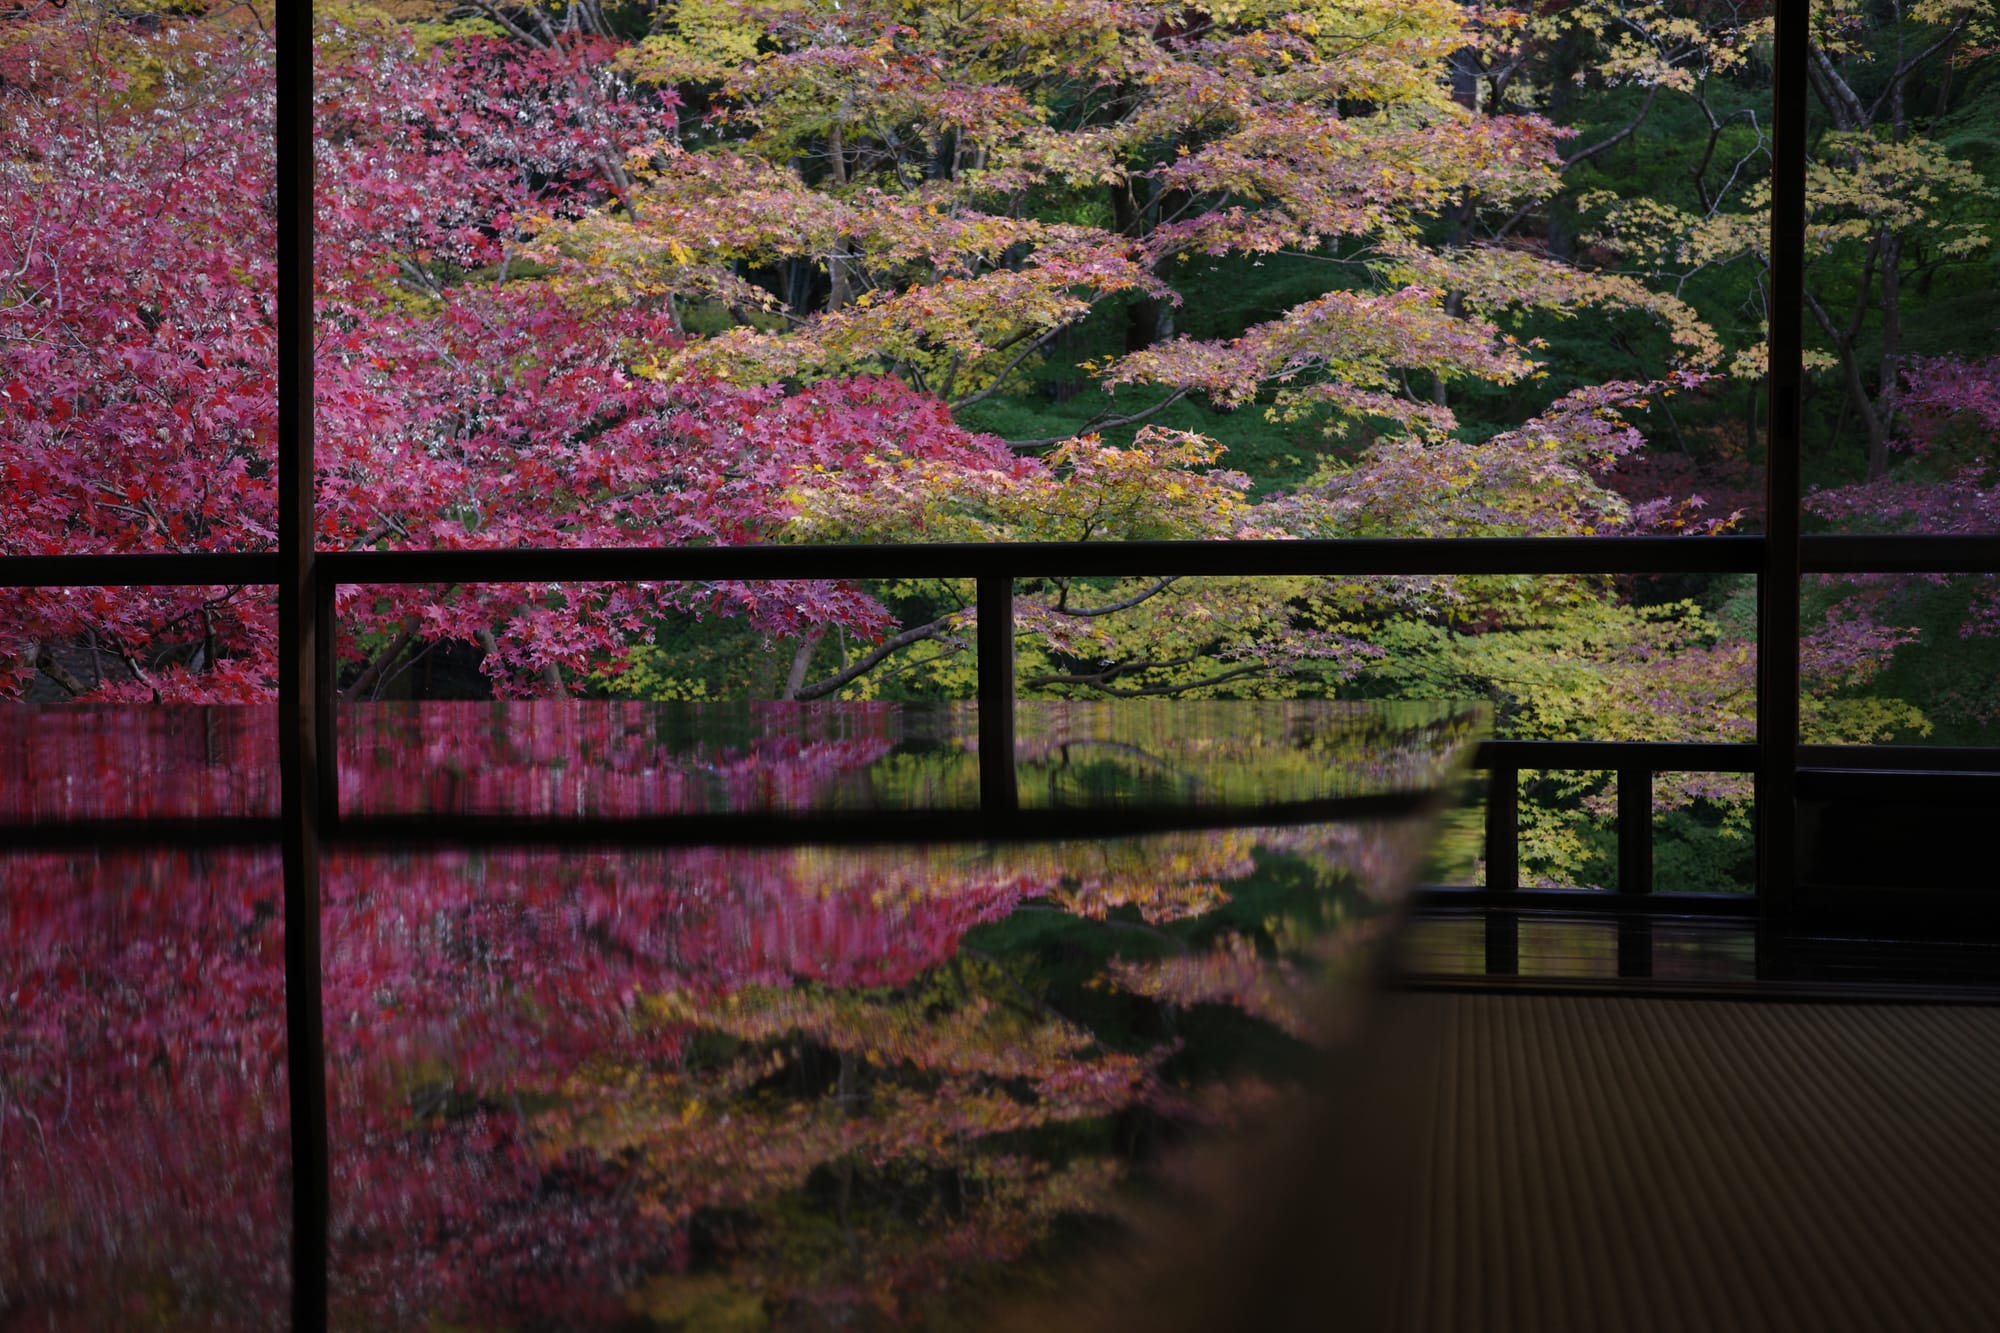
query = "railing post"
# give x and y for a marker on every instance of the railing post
(1635, 945)
(1503, 827)
(1503, 944)
(1635, 830)
(998, 794)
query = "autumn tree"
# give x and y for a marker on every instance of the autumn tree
(744, 278)
(969, 191)
(526, 244)
(1886, 202)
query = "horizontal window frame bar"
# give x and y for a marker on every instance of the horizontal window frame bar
(1329, 557)
(1936, 787)
(860, 828)
(1416, 556)
(1726, 756)
(118, 834)
(1900, 553)
(1903, 758)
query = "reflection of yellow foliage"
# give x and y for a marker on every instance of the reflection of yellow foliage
(699, 1303)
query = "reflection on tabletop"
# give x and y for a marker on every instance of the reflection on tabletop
(599, 758)
(705, 1088)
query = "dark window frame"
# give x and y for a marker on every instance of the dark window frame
(306, 580)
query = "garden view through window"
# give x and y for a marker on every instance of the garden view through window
(695, 274)
(602, 275)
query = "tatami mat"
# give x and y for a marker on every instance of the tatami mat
(1597, 1163)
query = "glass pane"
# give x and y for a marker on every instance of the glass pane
(1666, 179)
(1444, 946)
(1905, 659)
(805, 1087)
(1558, 947)
(1903, 298)
(1647, 657)
(1704, 835)
(1569, 829)
(801, 640)
(765, 279)
(143, 1124)
(213, 645)
(137, 256)
(137, 360)
(1711, 951)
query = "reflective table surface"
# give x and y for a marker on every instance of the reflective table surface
(687, 1087)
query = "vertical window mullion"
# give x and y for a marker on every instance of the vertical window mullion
(300, 683)
(1778, 585)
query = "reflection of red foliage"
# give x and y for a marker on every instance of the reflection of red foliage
(558, 758)
(566, 758)
(142, 1093)
(142, 1108)
(120, 761)
(508, 1043)
(145, 1062)
(529, 1110)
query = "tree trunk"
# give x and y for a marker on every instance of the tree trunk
(1889, 370)
(801, 663)
(1147, 318)
(839, 274)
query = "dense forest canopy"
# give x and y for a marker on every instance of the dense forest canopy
(804, 271)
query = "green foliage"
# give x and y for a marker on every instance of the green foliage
(1705, 847)
(1950, 680)
(695, 659)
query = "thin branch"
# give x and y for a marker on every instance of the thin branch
(1905, 67)
(1114, 607)
(381, 662)
(1007, 370)
(1611, 141)
(1102, 422)
(935, 629)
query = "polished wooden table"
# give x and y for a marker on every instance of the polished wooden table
(651, 1016)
